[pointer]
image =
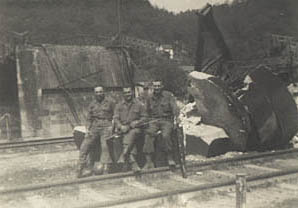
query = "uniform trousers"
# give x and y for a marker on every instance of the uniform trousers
(129, 142)
(102, 134)
(166, 127)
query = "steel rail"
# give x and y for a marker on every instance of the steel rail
(243, 157)
(78, 181)
(37, 142)
(143, 172)
(190, 189)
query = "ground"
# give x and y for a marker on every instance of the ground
(23, 167)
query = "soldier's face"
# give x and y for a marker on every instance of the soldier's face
(99, 93)
(157, 87)
(127, 93)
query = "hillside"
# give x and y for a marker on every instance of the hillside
(243, 23)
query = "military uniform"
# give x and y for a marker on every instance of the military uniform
(162, 107)
(100, 115)
(132, 115)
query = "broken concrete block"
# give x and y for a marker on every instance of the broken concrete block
(217, 107)
(79, 133)
(200, 138)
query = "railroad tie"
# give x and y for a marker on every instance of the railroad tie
(184, 180)
(287, 162)
(132, 181)
(37, 201)
(90, 194)
(222, 173)
(288, 186)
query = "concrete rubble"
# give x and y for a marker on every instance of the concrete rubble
(198, 136)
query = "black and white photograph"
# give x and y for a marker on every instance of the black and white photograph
(149, 103)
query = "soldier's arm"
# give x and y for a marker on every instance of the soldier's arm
(89, 117)
(116, 116)
(147, 107)
(142, 117)
(112, 106)
(175, 109)
(144, 114)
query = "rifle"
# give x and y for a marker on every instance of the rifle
(181, 149)
(114, 140)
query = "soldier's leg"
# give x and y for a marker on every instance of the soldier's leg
(129, 148)
(90, 158)
(85, 149)
(94, 153)
(167, 129)
(148, 148)
(105, 158)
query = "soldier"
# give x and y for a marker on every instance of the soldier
(129, 118)
(99, 127)
(144, 95)
(161, 106)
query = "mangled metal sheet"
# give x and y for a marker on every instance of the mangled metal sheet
(272, 110)
(262, 116)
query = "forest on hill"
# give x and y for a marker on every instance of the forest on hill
(244, 23)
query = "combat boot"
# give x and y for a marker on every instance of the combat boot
(135, 167)
(124, 156)
(125, 167)
(84, 172)
(80, 171)
(121, 158)
(87, 172)
(149, 164)
(98, 168)
(101, 168)
(105, 169)
(171, 161)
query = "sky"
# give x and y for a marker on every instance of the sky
(183, 5)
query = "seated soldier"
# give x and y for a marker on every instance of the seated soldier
(162, 107)
(129, 118)
(144, 94)
(99, 127)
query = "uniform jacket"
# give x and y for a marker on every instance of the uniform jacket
(126, 113)
(100, 113)
(163, 106)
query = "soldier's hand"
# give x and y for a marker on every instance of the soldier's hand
(87, 132)
(124, 128)
(177, 121)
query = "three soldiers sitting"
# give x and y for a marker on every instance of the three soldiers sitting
(130, 117)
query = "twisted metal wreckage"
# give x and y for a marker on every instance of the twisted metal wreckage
(247, 99)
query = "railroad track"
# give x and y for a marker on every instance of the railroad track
(36, 142)
(154, 186)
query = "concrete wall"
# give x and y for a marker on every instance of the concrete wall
(9, 107)
(44, 111)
